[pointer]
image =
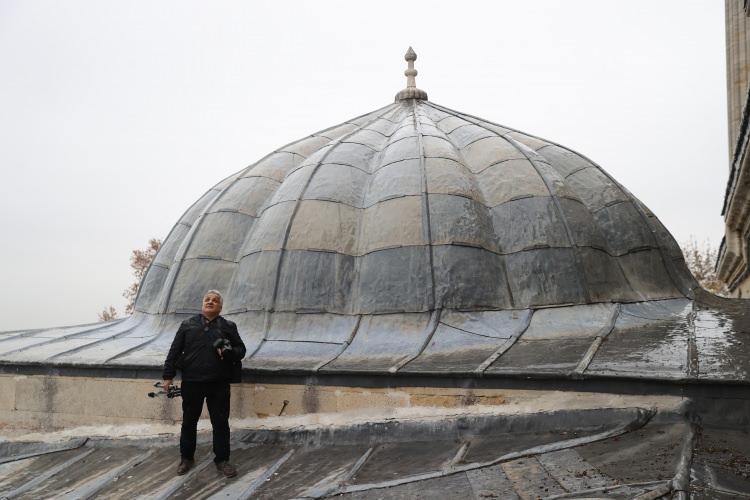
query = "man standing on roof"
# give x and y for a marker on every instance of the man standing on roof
(208, 350)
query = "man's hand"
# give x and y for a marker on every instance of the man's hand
(220, 352)
(167, 383)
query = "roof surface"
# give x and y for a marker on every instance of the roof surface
(612, 453)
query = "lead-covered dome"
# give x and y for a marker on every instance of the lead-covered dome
(420, 240)
(411, 208)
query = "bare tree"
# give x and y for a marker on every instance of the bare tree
(701, 260)
(139, 262)
(108, 314)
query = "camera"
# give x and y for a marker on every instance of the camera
(223, 344)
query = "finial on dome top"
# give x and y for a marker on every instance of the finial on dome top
(411, 91)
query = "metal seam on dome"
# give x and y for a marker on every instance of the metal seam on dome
(473, 333)
(426, 221)
(573, 172)
(505, 346)
(344, 346)
(529, 248)
(599, 339)
(360, 144)
(258, 176)
(537, 307)
(462, 161)
(627, 193)
(268, 319)
(356, 282)
(430, 328)
(368, 172)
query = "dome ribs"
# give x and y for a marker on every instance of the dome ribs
(621, 210)
(392, 265)
(411, 240)
(426, 225)
(529, 271)
(546, 178)
(159, 281)
(470, 263)
(630, 264)
(268, 319)
(679, 276)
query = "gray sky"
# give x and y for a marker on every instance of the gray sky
(117, 115)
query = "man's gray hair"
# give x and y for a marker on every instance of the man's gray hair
(214, 292)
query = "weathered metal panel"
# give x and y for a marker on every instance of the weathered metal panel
(400, 178)
(485, 152)
(252, 284)
(382, 341)
(470, 278)
(529, 223)
(467, 134)
(325, 225)
(545, 276)
(246, 195)
(276, 165)
(584, 321)
(451, 177)
(605, 279)
(340, 183)
(195, 277)
(464, 340)
(563, 160)
(594, 188)
(270, 229)
(624, 228)
(559, 355)
(315, 281)
(347, 153)
(455, 219)
(646, 272)
(583, 227)
(650, 340)
(220, 236)
(392, 223)
(509, 180)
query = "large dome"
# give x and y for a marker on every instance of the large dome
(420, 240)
(412, 208)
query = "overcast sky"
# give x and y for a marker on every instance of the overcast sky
(115, 116)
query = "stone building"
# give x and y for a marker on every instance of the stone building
(536, 320)
(734, 258)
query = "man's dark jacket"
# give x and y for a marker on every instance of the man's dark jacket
(193, 352)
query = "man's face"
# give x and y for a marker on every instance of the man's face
(211, 305)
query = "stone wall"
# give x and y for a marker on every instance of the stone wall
(738, 70)
(54, 402)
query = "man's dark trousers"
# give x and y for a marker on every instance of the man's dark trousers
(216, 395)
